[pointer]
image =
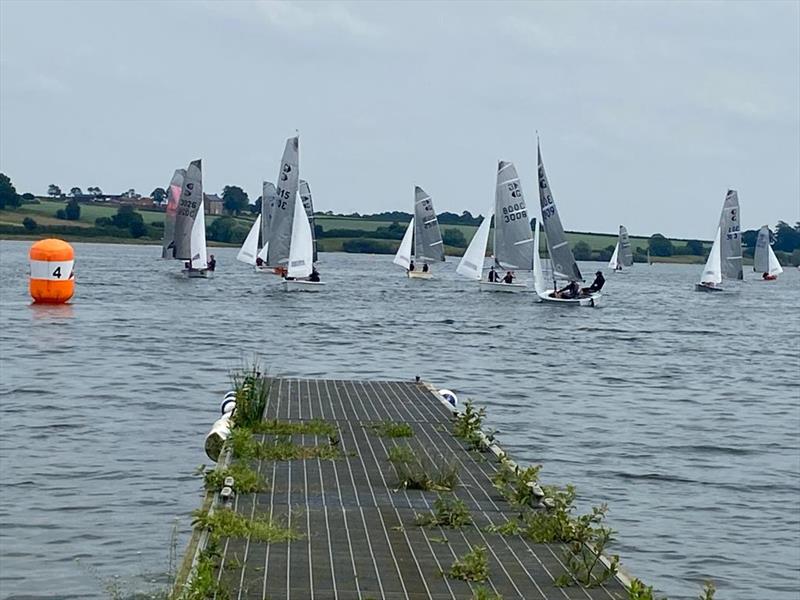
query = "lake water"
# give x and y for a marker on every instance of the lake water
(680, 410)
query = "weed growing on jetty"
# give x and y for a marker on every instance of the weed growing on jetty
(468, 426)
(518, 486)
(589, 540)
(252, 391)
(224, 522)
(244, 446)
(556, 523)
(392, 430)
(482, 593)
(415, 473)
(640, 591)
(449, 511)
(276, 427)
(510, 527)
(245, 479)
(203, 583)
(473, 566)
(709, 589)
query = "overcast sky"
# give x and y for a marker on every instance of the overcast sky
(648, 112)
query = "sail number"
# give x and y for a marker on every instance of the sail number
(515, 212)
(187, 207)
(733, 230)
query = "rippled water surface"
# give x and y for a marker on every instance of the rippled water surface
(678, 409)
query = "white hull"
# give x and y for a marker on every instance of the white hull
(419, 275)
(508, 288)
(302, 285)
(699, 287)
(591, 300)
(197, 273)
(265, 270)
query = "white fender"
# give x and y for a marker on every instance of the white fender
(450, 397)
(217, 436)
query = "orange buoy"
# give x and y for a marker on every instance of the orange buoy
(52, 276)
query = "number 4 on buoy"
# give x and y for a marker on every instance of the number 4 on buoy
(52, 271)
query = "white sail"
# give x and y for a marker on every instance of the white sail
(262, 254)
(403, 256)
(712, 273)
(774, 266)
(471, 264)
(614, 262)
(248, 251)
(538, 274)
(198, 240)
(301, 247)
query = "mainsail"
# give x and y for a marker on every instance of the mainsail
(191, 202)
(730, 238)
(308, 205)
(173, 199)
(513, 240)
(268, 197)
(280, 228)
(564, 265)
(471, 264)
(301, 247)
(428, 246)
(624, 243)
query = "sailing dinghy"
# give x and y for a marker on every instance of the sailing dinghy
(189, 226)
(301, 254)
(563, 264)
(423, 237)
(764, 260)
(513, 242)
(725, 259)
(623, 255)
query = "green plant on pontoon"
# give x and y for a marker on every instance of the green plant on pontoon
(640, 591)
(468, 424)
(392, 430)
(416, 473)
(448, 511)
(709, 589)
(556, 523)
(473, 566)
(517, 485)
(245, 479)
(245, 446)
(224, 522)
(482, 593)
(276, 427)
(252, 390)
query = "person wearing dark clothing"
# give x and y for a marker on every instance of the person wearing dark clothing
(509, 277)
(493, 276)
(212, 263)
(314, 275)
(569, 291)
(597, 284)
(259, 261)
(411, 266)
(425, 268)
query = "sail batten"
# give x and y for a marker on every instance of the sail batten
(564, 265)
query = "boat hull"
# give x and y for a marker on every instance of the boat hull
(508, 288)
(590, 301)
(420, 275)
(302, 285)
(699, 287)
(197, 273)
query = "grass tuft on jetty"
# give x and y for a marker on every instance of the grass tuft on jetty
(416, 473)
(473, 566)
(252, 391)
(276, 427)
(224, 522)
(391, 429)
(449, 511)
(245, 446)
(481, 593)
(245, 479)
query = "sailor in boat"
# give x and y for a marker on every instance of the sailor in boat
(768, 277)
(411, 266)
(493, 276)
(508, 277)
(259, 261)
(314, 275)
(618, 267)
(597, 284)
(425, 267)
(212, 263)
(569, 291)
